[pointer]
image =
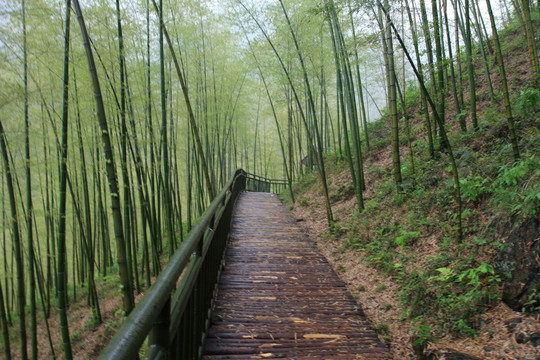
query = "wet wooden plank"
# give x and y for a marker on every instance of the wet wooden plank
(278, 296)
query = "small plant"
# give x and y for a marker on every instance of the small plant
(516, 188)
(462, 115)
(474, 187)
(303, 201)
(422, 332)
(352, 242)
(406, 237)
(528, 102)
(445, 275)
(533, 302)
(382, 329)
(464, 328)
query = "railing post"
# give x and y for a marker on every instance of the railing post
(159, 336)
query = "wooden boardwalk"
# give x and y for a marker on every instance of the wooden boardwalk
(278, 296)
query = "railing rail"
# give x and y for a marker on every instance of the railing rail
(262, 184)
(175, 311)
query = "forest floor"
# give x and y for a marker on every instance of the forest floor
(87, 337)
(378, 293)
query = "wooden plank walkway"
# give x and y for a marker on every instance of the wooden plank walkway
(279, 298)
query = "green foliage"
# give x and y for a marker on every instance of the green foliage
(474, 187)
(473, 275)
(375, 171)
(382, 329)
(493, 115)
(304, 184)
(412, 95)
(457, 294)
(463, 328)
(343, 192)
(379, 132)
(303, 201)
(533, 302)
(450, 289)
(462, 115)
(516, 189)
(406, 237)
(386, 188)
(423, 333)
(528, 102)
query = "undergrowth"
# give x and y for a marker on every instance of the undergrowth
(445, 290)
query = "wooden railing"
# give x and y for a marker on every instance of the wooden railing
(175, 311)
(261, 184)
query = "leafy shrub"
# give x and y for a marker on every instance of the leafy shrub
(462, 116)
(528, 102)
(412, 95)
(423, 333)
(406, 237)
(474, 187)
(533, 302)
(451, 296)
(517, 187)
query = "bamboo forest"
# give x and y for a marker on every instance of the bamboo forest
(247, 179)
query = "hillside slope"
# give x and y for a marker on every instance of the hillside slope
(426, 293)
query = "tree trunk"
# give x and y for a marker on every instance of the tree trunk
(127, 293)
(504, 82)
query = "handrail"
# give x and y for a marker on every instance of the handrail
(175, 311)
(260, 183)
(250, 175)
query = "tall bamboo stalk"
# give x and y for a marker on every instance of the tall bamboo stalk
(194, 127)
(431, 150)
(127, 293)
(504, 84)
(531, 42)
(388, 50)
(320, 150)
(470, 66)
(16, 242)
(61, 242)
(29, 205)
(440, 89)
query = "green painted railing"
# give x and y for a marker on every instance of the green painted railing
(261, 184)
(174, 314)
